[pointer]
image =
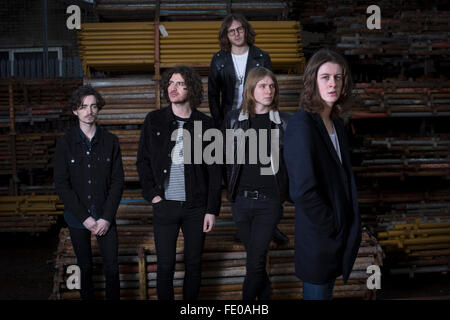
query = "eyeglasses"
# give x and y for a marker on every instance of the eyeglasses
(179, 84)
(232, 32)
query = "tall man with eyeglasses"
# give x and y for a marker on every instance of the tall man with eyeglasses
(88, 176)
(228, 72)
(229, 66)
(184, 192)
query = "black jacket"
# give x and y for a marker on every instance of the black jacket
(82, 180)
(222, 79)
(202, 181)
(327, 220)
(236, 120)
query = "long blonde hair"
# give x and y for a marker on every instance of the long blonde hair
(248, 99)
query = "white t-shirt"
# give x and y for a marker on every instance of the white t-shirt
(335, 140)
(240, 63)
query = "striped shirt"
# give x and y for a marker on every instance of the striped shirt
(176, 188)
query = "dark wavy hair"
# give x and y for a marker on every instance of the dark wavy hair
(223, 32)
(192, 81)
(310, 99)
(78, 95)
(248, 99)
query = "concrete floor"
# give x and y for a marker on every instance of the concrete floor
(26, 272)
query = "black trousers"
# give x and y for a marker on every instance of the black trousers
(81, 242)
(168, 217)
(255, 221)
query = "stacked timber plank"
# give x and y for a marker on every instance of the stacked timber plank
(380, 209)
(33, 151)
(402, 165)
(400, 98)
(404, 156)
(420, 33)
(412, 41)
(223, 260)
(131, 46)
(32, 113)
(129, 98)
(405, 30)
(129, 142)
(281, 39)
(121, 10)
(119, 46)
(422, 246)
(29, 213)
(33, 101)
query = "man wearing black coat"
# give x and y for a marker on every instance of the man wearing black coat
(88, 177)
(230, 66)
(321, 180)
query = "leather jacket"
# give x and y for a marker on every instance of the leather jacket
(222, 79)
(203, 181)
(235, 120)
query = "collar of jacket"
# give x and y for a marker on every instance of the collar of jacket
(75, 136)
(326, 137)
(274, 116)
(253, 52)
(169, 116)
(227, 61)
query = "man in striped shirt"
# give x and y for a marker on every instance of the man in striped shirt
(184, 194)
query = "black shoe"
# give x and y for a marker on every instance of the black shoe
(279, 237)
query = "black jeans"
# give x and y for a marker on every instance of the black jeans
(168, 217)
(81, 242)
(256, 220)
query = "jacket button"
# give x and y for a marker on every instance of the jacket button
(87, 152)
(158, 133)
(222, 66)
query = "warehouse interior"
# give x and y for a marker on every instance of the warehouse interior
(398, 124)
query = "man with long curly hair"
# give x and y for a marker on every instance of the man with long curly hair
(230, 66)
(183, 194)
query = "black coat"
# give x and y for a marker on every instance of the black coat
(222, 80)
(327, 220)
(234, 169)
(202, 181)
(80, 179)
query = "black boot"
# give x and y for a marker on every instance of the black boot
(279, 237)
